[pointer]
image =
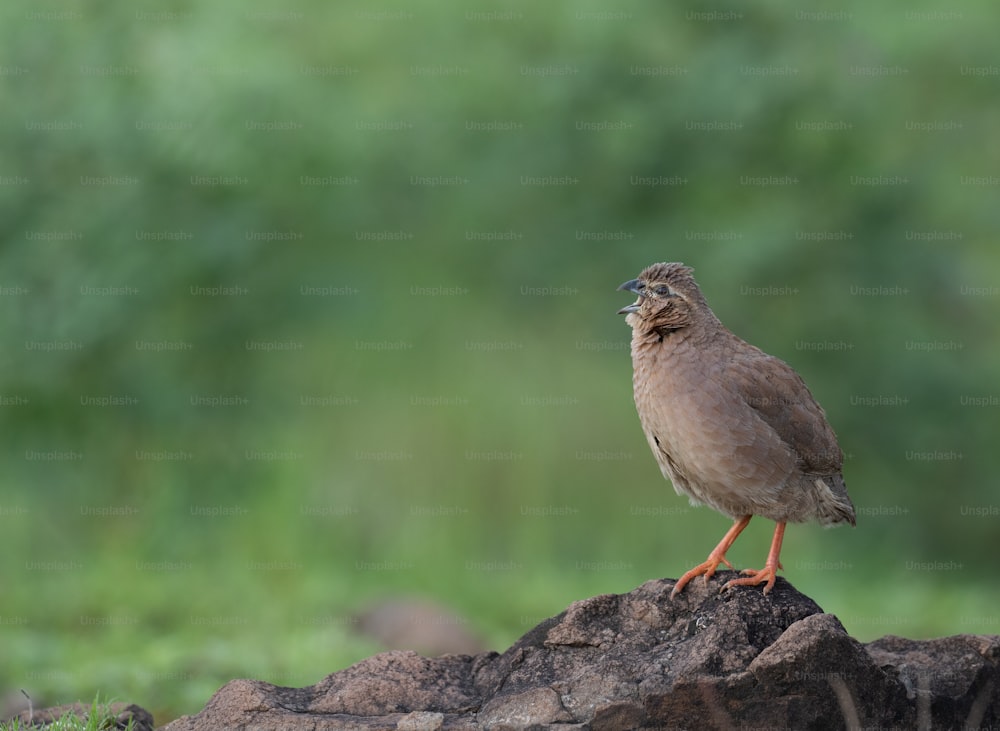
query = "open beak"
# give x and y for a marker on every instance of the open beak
(635, 286)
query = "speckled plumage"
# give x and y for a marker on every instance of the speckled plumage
(729, 425)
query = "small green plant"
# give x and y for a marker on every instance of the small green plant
(99, 718)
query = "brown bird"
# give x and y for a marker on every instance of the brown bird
(730, 426)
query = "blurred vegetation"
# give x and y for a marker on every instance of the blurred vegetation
(389, 238)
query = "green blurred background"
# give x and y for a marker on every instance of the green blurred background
(310, 305)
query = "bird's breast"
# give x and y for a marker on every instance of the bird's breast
(706, 439)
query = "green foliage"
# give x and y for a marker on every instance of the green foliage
(387, 240)
(99, 718)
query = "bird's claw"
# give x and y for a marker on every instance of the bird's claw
(755, 577)
(706, 569)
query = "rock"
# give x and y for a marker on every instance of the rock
(964, 688)
(421, 721)
(426, 627)
(642, 661)
(142, 720)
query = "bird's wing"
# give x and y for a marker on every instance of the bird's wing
(783, 401)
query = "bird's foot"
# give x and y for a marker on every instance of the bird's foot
(706, 569)
(755, 577)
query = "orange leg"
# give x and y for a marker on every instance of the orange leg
(717, 556)
(771, 565)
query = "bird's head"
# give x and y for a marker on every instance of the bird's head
(669, 299)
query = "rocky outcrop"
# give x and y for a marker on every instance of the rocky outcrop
(421, 625)
(643, 661)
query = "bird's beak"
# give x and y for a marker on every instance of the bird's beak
(633, 285)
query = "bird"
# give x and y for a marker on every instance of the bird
(729, 425)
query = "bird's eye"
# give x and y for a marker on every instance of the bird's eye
(662, 290)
